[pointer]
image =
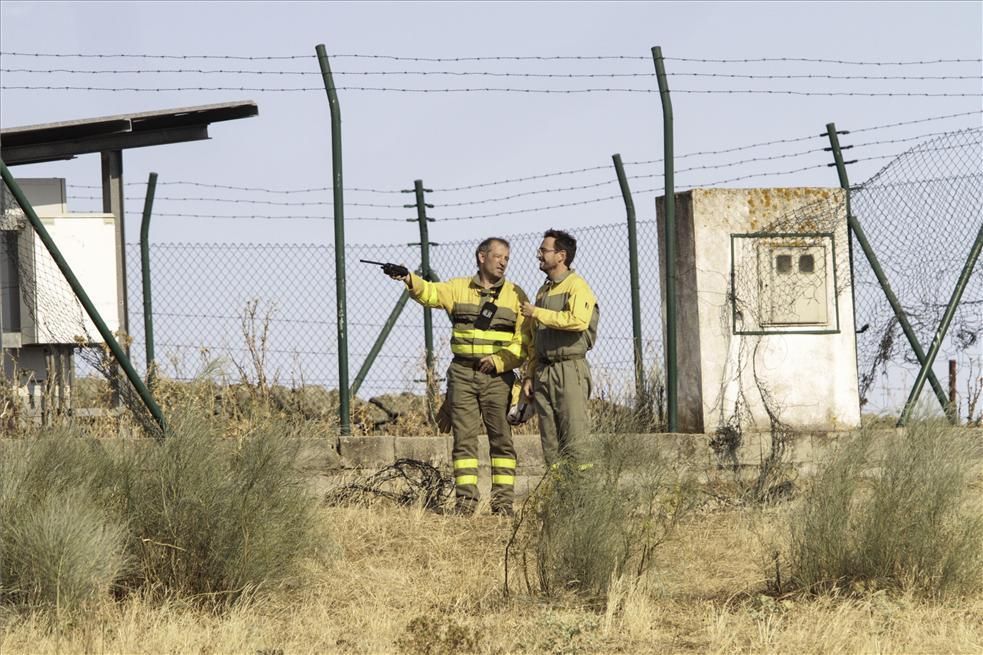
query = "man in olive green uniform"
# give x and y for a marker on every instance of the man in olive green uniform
(489, 339)
(557, 375)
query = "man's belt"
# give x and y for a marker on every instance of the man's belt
(546, 361)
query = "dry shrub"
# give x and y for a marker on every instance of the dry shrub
(61, 548)
(197, 517)
(899, 513)
(429, 634)
(213, 519)
(582, 527)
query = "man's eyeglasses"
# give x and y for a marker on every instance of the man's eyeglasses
(545, 250)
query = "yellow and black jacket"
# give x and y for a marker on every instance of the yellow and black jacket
(506, 339)
(565, 321)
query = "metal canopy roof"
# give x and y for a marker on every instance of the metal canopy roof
(33, 144)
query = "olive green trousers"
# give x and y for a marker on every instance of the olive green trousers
(477, 399)
(562, 390)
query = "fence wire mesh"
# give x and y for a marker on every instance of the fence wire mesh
(921, 214)
(53, 352)
(241, 311)
(275, 305)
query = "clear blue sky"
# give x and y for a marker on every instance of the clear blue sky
(451, 140)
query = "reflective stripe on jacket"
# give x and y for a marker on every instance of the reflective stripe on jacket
(506, 338)
(565, 321)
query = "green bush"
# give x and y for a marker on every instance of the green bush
(893, 513)
(581, 528)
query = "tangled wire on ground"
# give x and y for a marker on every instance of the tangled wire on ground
(405, 482)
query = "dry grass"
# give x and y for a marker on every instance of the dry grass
(406, 580)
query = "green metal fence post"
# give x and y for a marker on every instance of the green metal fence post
(950, 311)
(90, 309)
(641, 396)
(672, 391)
(344, 415)
(421, 218)
(875, 265)
(148, 306)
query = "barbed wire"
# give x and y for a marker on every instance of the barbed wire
(976, 112)
(633, 177)
(274, 217)
(240, 188)
(637, 192)
(120, 89)
(606, 167)
(492, 58)
(932, 180)
(469, 187)
(825, 61)
(81, 55)
(250, 201)
(506, 74)
(535, 191)
(653, 190)
(484, 200)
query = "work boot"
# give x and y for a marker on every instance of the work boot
(464, 507)
(503, 510)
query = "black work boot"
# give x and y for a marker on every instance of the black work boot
(464, 507)
(502, 510)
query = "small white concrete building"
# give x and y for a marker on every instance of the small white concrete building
(42, 322)
(764, 322)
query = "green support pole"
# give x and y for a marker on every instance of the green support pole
(90, 309)
(379, 342)
(950, 311)
(875, 265)
(344, 414)
(383, 335)
(148, 307)
(421, 218)
(672, 376)
(636, 312)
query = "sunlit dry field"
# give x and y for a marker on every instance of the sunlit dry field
(406, 580)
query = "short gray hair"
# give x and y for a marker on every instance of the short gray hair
(486, 245)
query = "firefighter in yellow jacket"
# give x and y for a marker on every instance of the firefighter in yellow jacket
(564, 328)
(489, 340)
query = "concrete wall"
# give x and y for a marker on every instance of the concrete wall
(692, 454)
(801, 373)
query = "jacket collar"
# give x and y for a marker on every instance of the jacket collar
(550, 282)
(476, 281)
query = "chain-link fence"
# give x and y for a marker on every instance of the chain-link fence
(274, 307)
(921, 214)
(48, 333)
(270, 309)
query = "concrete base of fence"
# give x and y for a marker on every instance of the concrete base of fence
(696, 454)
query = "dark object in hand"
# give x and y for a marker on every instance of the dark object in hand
(392, 270)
